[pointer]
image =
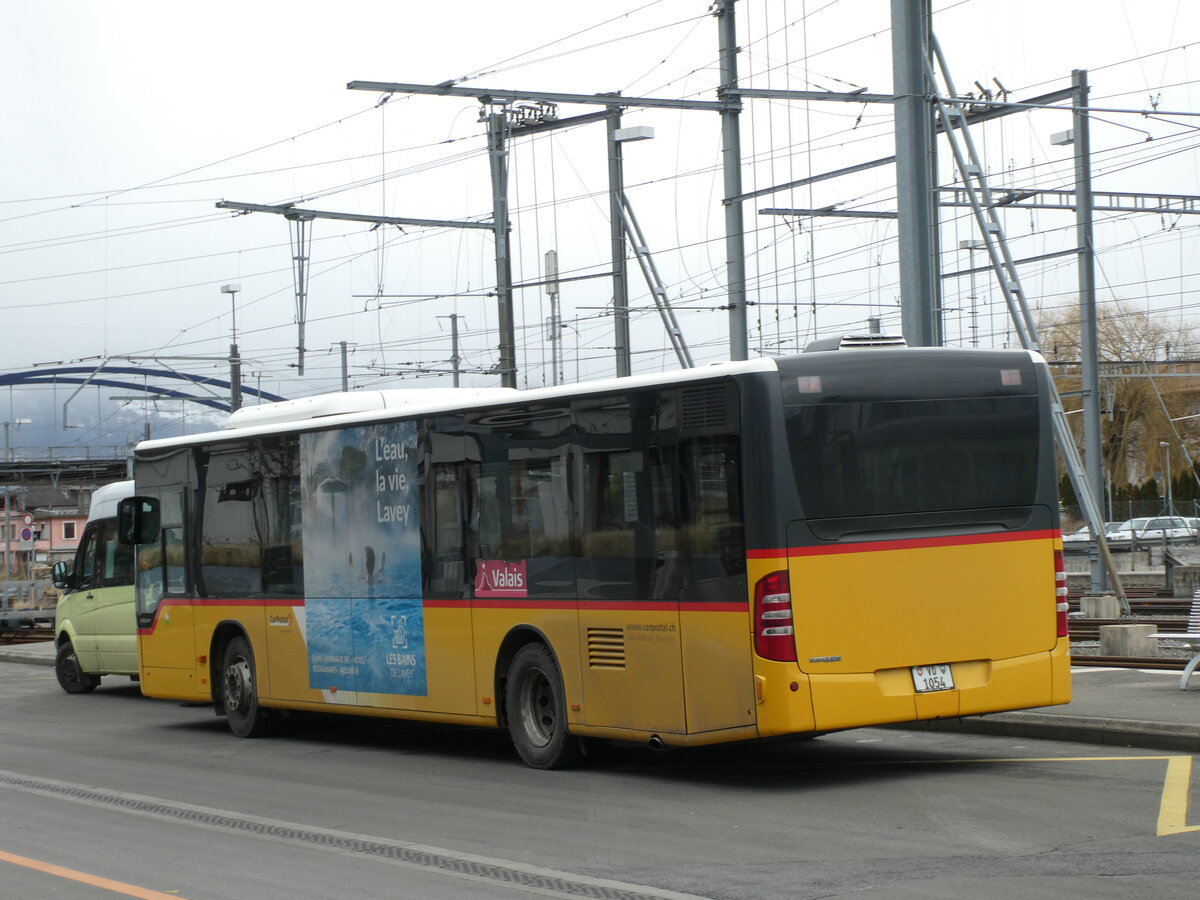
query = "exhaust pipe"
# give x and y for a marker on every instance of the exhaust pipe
(656, 743)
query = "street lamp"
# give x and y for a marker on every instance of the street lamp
(576, 330)
(235, 361)
(617, 137)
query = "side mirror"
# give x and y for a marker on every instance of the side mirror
(138, 520)
(60, 572)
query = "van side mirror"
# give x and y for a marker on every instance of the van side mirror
(138, 520)
(61, 573)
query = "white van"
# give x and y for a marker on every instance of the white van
(95, 627)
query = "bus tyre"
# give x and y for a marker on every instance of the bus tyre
(71, 677)
(239, 691)
(537, 711)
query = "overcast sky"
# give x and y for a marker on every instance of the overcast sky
(127, 121)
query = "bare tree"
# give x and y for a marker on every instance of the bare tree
(1141, 354)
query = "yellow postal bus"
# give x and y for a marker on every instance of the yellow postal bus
(775, 547)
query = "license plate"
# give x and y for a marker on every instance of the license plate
(932, 678)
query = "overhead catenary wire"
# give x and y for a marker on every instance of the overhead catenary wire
(711, 277)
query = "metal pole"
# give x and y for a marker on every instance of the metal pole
(300, 270)
(920, 306)
(555, 329)
(1169, 497)
(616, 225)
(345, 369)
(455, 358)
(1089, 350)
(235, 379)
(497, 126)
(7, 533)
(731, 163)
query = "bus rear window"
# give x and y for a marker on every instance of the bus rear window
(924, 461)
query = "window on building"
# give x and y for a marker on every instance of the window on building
(68, 530)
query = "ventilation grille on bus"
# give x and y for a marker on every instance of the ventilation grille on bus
(856, 342)
(704, 408)
(606, 648)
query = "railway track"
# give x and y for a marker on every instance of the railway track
(26, 636)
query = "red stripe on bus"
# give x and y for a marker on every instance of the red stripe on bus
(962, 540)
(522, 603)
(635, 605)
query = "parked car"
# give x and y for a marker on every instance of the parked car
(1084, 534)
(1148, 530)
(1176, 528)
(1122, 536)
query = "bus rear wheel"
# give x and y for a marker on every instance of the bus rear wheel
(239, 691)
(537, 711)
(71, 677)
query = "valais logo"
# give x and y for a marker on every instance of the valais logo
(499, 578)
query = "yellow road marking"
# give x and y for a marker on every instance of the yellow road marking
(1172, 807)
(1177, 785)
(117, 887)
(1172, 811)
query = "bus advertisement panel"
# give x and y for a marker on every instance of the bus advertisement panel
(362, 559)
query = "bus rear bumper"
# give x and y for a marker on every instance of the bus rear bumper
(888, 695)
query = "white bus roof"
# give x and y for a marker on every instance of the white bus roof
(362, 407)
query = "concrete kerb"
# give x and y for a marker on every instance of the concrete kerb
(1074, 729)
(39, 654)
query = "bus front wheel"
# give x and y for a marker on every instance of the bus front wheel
(71, 677)
(239, 691)
(537, 710)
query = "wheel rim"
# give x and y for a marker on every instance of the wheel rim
(539, 713)
(71, 672)
(237, 684)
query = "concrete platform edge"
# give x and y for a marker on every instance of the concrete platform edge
(36, 654)
(1075, 729)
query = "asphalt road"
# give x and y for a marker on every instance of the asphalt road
(112, 795)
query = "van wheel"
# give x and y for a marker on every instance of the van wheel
(71, 677)
(239, 691)
(537, 712)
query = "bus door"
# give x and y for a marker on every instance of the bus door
(446, 478)
(714, 619)
(521, 540)
(164, 606)
(630, 566)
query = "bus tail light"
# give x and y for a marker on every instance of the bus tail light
(774, 633)
(1060, 593)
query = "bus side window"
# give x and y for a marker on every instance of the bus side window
(231, 539)
(714, 525)
(519, 505)
(279, 510)
(618, 504)
(447, 558)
